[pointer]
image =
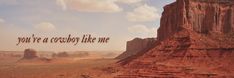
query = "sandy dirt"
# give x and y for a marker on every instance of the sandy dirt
(66, 67)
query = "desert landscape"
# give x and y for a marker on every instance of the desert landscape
(33, 64)
(195, 40)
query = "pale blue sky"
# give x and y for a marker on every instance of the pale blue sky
(111, 18)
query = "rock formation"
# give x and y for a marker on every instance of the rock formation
(195, 40)
(137, 45)
(30, 57)
(60, 54)
(30, 54)
(201, 16)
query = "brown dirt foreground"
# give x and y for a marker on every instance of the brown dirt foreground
(83, 68)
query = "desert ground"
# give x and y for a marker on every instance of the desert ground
(94, 65)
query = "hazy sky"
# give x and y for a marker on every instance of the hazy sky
(121, 20)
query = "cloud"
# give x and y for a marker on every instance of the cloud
(106, 6)
(45, 27)
(143, 13)
(142, 30)
(2, 20)
(129, 1)
(62, 3)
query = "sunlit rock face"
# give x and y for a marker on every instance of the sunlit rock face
(201, 16)
(195, 40)
(137, 45)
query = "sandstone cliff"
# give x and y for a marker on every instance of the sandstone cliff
(196, 40)
(137, 45)
(201, 16)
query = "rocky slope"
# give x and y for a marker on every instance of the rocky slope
(137, 45)
(196, 40)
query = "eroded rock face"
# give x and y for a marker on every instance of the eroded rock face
(137, 45)
(195, 40)
(201, 16)
(30, 54)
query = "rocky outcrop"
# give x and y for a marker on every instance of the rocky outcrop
(136, 46)
(201, 16)
(195, 40)
(30, 57)
(30, 54)
(60, 54)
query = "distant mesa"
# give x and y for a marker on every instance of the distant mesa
(30, 54)
(136, 46)
(60, 54)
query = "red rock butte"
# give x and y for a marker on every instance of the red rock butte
(30, 54)
(137, 45)
(195, 40)
(201, 16)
